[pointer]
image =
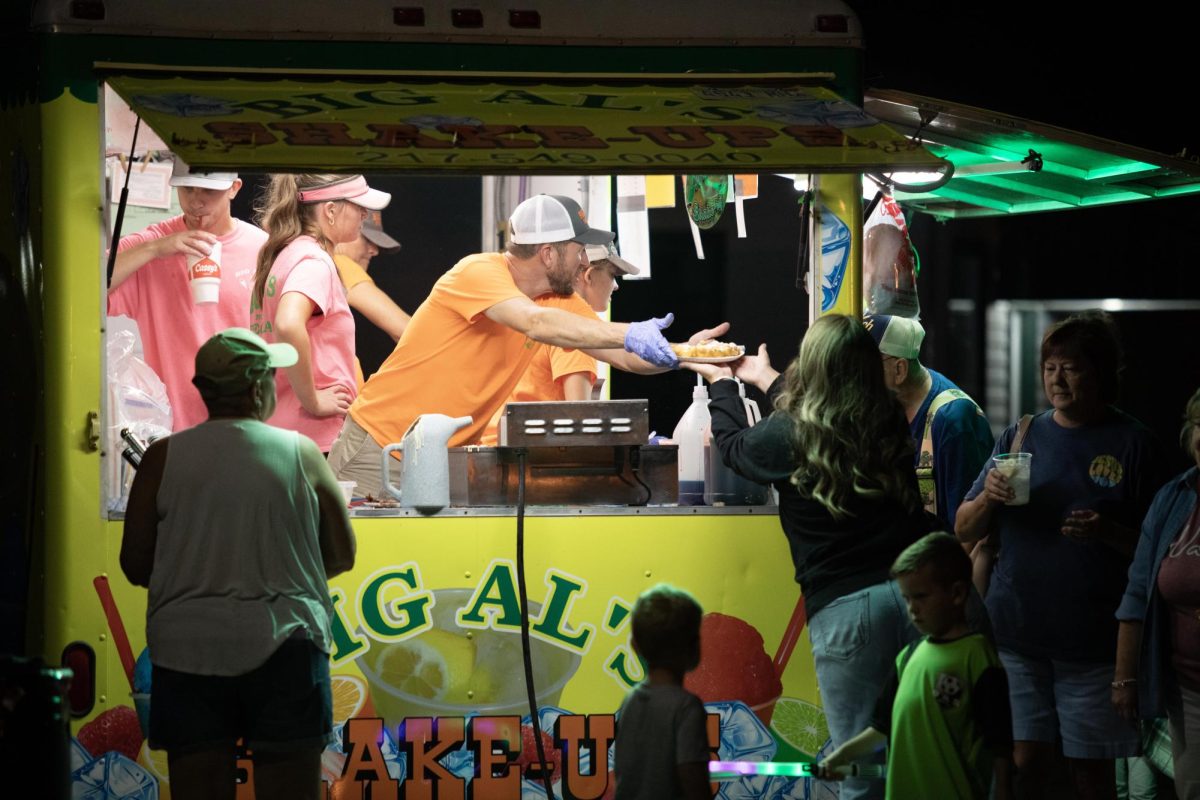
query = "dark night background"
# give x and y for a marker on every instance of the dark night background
(1117, 77)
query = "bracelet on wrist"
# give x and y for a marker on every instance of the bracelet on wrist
(1121, 684)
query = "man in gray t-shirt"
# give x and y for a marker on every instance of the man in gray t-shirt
(235, 527)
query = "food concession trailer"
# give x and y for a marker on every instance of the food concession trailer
(426, 622)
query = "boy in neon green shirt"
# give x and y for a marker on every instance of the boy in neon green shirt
(945, 715)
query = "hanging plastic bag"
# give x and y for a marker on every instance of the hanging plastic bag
(137, 401)
(890, 263)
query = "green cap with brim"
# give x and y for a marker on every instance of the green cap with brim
(233, 360)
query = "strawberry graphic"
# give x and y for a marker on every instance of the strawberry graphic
(529, 757)
(115, 729)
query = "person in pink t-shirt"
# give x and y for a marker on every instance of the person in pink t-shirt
(298, 296)
(150, 282)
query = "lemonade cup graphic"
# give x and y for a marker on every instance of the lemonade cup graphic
(450, 671)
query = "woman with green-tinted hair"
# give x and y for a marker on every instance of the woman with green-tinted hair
(838, 449)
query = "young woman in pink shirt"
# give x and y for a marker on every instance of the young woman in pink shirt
(298, 297)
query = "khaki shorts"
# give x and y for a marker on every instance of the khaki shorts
(355, 456)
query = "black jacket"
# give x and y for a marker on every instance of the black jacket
(832, 557)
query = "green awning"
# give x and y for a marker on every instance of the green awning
(1008, 165)
(489, 123)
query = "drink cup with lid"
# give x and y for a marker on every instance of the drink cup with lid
(204, 276)
(204, 272)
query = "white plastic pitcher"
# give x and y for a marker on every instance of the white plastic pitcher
(425, 470)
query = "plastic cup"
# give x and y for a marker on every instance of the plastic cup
(141, 703)
(496, 652)
(1015, 467)
(205, 290)
(204, 276)
(348, 489)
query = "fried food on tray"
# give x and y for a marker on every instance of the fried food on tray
(709, 348)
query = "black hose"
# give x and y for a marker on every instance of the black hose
(870, 209)
(635, 460)
(526, 652)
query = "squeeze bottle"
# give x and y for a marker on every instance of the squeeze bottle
(689, 436)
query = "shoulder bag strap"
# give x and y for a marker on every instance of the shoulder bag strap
(1022, 429)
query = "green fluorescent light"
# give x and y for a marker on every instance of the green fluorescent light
(1125, 168)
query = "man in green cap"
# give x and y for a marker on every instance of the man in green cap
(235, 527)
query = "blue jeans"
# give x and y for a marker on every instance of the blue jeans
(855, 641)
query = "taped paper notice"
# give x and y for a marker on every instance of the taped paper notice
(660, 191)
(744, 187)
(633, 223)
(149, 185)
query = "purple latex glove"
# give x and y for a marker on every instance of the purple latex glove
(645, 340)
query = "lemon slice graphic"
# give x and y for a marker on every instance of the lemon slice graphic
(436, 665)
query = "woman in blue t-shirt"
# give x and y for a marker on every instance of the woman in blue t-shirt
(1063, 556)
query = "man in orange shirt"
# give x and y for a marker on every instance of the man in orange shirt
(558, 373)
(353, 260)
(472, 339)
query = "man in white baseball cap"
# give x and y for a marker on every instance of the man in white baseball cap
(951, 434)
(182, 175)
(150, 281)
(472, 339)
(565, 373)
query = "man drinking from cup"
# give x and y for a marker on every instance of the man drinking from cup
(152, 282)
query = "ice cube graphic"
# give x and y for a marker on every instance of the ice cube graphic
(818, 789)
(743, 736)
(781, 788)
(755, 787)
(460, 763)
(79, 754)
(547, 716)
(112, 776)
(394, 759)
(762, 787)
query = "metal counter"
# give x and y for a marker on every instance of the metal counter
(576, 511)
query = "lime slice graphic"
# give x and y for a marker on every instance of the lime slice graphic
(799, 728)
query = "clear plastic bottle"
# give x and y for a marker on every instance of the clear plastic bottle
(689, 435)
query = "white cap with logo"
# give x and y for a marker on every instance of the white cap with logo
(182, 175)
(548, 218)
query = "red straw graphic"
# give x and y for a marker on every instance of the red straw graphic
(790, 637)
(115, 626)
